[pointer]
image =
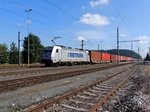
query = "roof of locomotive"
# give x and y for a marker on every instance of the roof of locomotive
(64, 47)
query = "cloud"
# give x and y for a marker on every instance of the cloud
(99, 3)
(81, 38)
(94, 19)
(143, 51)
(90, 35)
(144, 39)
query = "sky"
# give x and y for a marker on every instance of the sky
(94, 21)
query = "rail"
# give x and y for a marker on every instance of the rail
(13, 84)
(52, 102)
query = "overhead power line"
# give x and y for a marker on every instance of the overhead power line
(9, 11)
(37, 21)
(43, 23)
(71, 5)
(39, 12)
(121, 18)
(60, 9)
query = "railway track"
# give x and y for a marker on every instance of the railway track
(30, 71)
(13, 84)
(88, 98)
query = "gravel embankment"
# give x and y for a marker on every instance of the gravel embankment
(134, 97)
(29, 95)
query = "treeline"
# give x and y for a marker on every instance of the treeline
(125, 52)
(10, 56)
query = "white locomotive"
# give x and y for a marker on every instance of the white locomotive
(60, 55)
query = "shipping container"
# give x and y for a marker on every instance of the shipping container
(121, 58)
(95, 56)
(106, 57)
(113, 58)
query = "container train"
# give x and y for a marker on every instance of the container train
(61, 55)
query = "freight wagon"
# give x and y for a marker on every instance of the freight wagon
(95, 56)
(106, 57)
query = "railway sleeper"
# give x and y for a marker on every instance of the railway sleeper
(105, 86)
(74, 108)
(105, 89)
(91, 100)
(3, 88)
(78, 105)
(79, 101)
(86, 98)
(93, 91)
(90, 94)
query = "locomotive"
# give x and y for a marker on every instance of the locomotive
(61, 55)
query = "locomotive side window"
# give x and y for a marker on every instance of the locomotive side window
(75, 55)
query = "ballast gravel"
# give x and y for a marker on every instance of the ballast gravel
(133, 97)
(18, 99)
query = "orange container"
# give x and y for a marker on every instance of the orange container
(95, 56)
(113, 58)
(105, 57)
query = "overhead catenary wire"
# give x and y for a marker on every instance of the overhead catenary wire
(10, 11)
(42, 23)
(118, 1)
(72, 6)
(40, 13)
(39, 22)
(45, 24)
(121, 18)
(61, 10)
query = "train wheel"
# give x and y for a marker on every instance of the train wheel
(47, 64)
(69, 64)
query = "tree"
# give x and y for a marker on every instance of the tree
(4, 54)
(36, 49)
(147, 57)
(13, 54)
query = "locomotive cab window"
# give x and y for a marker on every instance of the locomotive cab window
(57, 50)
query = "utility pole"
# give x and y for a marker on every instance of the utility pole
(138, 49)
(131, 49)
(29, 10)
(101, 50)
(19, 48)
(82, 41)
(117, 45)
(100, 45)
